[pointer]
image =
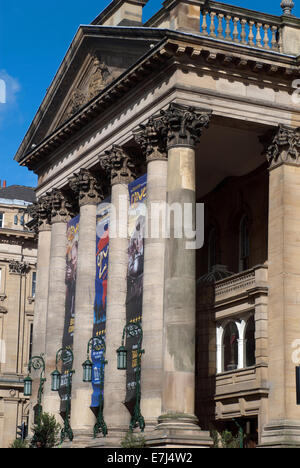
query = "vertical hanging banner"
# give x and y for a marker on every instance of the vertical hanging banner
(135, 273)
(70, 280)
(102, 255)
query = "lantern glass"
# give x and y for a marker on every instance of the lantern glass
(122, 358)
(87, 371)
(27, 386)
(55, 381)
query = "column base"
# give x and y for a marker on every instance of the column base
(281, 434)
(177, 431)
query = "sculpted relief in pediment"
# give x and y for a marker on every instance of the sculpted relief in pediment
(99, 77)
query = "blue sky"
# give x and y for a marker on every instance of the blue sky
(34, 37)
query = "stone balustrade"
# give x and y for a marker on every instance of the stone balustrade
(241, 26)
(241, 283)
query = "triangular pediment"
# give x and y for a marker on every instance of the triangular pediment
(96, 74)
(97, 56)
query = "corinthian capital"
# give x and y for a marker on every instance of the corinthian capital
(86, 187)
(182, 125)
(40, 213)
(152, 139)
(284, 147)
(121, 167)
(62, 208)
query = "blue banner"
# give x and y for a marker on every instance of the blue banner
(102, 255)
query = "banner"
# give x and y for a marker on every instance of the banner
(102, 255)
(70, 281)
(135, 273)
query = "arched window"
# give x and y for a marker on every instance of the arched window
(250, 342)
(244, 243)
(230, 344)
(212, 249)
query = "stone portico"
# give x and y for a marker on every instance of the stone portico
(207, 113)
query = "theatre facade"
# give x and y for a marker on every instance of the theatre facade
(195, 111)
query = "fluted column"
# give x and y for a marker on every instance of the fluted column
(87, 189)
(182, 127)
(154, 147)
(60, 215)
(283, 154)
(41, 215)
(121, 170)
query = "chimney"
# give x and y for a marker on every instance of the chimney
(4, 184)
(122, 13)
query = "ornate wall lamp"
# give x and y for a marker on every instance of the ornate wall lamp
(36, 363)
(133, 329)
(65, 355)
(96, 344)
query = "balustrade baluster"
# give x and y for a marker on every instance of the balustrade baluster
(228, 29)
(243, 31)
(204, 24)
(266, 36)
(220, 26)
(235, 32)
(212, 24)
(251, 34)
(258, 35)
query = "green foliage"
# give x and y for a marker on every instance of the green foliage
(46, 432)
(19, 443)
(133, 441)
(225, 439)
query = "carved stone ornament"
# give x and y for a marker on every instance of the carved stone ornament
(87, 187)
(121, 166)
(40, 213)
(99, 78)
(18, 268)
(287, 6)
(285, 147)
(62, 209)
(183, 125)
(77, 101)
(152, 139)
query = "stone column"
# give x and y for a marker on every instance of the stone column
(178, 426)
(60, 215)
(120, 167)
(42, 212)
(283, 426)
(153, 146)
(86, 187)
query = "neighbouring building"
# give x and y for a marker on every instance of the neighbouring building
(196, 107)
(18, 256)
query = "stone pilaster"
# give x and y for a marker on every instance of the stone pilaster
(87, 188)
(121, 170)
(61, 213)
(42, 218)
(153, 145)
(283, 427)
(177, 425)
